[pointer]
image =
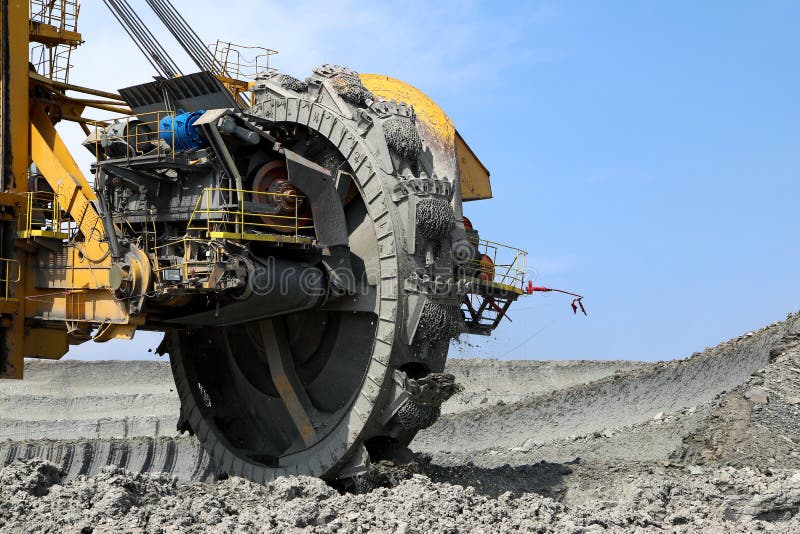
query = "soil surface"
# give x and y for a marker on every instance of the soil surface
(710, 443)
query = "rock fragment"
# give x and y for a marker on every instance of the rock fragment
(757, 395)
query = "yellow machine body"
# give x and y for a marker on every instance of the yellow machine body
(52, 289)
(472, 174)
(56, 290)
(301, 244)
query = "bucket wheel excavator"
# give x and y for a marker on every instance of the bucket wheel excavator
(301, 243)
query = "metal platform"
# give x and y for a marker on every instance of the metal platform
(26, 234)
(495, 279)
(272, 238)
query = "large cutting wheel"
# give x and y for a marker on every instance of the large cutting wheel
(277, 396)
(319, 392)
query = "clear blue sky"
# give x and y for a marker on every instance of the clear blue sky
(646, 154)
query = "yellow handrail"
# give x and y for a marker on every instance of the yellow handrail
(231, 221)
(183, 265)
(51, 61)
(140, 137)
(245, 223)
(42, 216)
(507, 265)
(5, 275)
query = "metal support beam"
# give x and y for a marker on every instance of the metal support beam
(291, 391)
(75, 194)
(50, 35)
(14, 164)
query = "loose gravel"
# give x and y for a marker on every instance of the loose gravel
(710, 443)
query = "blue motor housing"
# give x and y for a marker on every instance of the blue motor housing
(178, 131)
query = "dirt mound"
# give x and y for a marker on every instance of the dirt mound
(489, 382)
(758, 423)
(709, 443)
(33, 498)
(618, 401)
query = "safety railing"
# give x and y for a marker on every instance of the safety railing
(42, 216)
(10, 273)
(497, 263)
(182, 259)
(53, 61)
(234, 214)
(241, 63)
(128, 137)
(62, 14)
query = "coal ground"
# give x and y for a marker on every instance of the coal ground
(709, 443)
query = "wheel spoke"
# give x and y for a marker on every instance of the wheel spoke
(290, 389)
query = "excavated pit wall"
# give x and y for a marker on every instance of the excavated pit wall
(620, 400)
(116, 399)
(98, 400)
(488, 382)
(84, 415)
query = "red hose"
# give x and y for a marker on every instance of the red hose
(577, 302)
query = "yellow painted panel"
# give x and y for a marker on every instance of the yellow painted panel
(75, 194)
(475, 184)
(81, 306)
(49, 343)
(428, 111)
(42, 233)
(52, 35)
(115, 331)
(14, 110)
(473, 175)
